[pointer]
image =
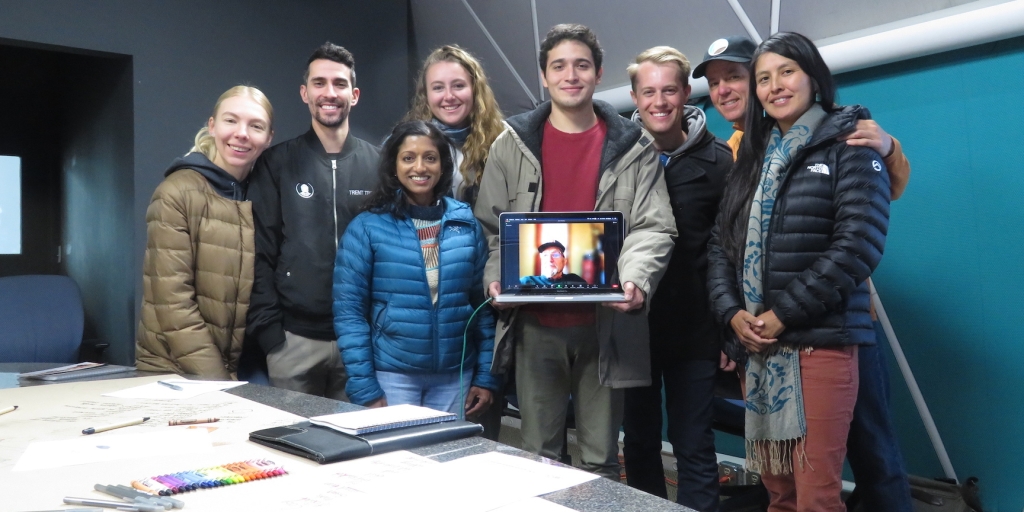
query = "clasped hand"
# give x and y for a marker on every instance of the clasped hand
(757, 333)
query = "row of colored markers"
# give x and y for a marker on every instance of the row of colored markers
(206, 478)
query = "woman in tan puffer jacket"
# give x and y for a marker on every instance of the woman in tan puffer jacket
(198, 268)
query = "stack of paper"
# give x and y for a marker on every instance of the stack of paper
(382, 418)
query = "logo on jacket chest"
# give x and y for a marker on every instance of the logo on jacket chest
(818, 168)
(305, 190)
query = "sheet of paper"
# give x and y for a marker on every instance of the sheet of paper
(60, 411)
(337, 485)
(108, 446)
(189, 389)
(533, 505)
(476, 483)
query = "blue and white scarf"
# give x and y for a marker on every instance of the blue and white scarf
(775, 422)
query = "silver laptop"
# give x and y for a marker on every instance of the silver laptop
(560, 257)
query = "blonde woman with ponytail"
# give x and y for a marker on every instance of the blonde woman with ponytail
(452, 92)
(198, 267)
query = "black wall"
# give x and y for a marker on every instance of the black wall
(33, 131)
(184, 54)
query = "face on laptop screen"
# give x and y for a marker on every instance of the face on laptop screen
(561, 253)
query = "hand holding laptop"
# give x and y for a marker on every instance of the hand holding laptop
(494, 289)
(634, 299)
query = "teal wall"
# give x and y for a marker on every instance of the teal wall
(951, 279)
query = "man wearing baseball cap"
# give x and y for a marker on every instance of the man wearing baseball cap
(872, 449)
(552, 260)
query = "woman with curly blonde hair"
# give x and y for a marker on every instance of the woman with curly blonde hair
(452, 92)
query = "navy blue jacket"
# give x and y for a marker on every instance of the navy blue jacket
(383, 314)
(826, 236)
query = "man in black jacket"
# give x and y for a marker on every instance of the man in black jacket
(304, 192)
(685, 340)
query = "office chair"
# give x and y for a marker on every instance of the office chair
(41, 320)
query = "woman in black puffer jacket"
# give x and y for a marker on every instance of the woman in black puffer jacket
(801, 227)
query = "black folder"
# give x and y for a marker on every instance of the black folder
(326, 445)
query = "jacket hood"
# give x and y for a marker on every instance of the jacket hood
(696, 128)
(622, 134)
(223, 183)
(839, 122)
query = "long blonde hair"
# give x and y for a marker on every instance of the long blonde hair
(204, 142)
(484, 119)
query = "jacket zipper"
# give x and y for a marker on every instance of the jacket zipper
(433, 314)
(771, 223)
(334, 186)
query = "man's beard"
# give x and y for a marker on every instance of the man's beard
(342, 116)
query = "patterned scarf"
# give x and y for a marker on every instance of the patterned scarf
(775, 421)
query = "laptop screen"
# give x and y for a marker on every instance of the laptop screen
(574, 251)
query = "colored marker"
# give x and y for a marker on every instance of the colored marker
(176, 486)
(168, 384)
(192, 421)
(157, 486)
(197, 481)
(95, 430)
(6, 410)
(172, 488)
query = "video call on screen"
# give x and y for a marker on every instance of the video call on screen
(589, 259)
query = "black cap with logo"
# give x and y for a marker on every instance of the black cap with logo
(732, 49)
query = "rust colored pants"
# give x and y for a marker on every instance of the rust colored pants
(829, 379)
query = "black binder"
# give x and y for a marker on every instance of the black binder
(326, 445)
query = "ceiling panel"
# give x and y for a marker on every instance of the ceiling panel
(627, 28)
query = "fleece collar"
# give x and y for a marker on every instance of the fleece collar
(622, 134)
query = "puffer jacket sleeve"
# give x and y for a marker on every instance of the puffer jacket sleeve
(649, 242)
(861, 205)
(353, 274)
(723, 290)
(172, 278)
(483, 327)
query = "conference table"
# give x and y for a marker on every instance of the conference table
(598, 495)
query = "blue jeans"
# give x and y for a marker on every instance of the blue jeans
(438, 391)
(689, 392)
(872, 449)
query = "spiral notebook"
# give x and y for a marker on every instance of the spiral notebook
(357, 423)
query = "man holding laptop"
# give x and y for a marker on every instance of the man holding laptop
(577, 155)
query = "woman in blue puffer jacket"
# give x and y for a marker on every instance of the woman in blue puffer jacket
(407, 281)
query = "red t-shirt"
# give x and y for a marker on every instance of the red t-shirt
(571, 170)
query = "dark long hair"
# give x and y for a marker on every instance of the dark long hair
(389, 195)
(746, 172)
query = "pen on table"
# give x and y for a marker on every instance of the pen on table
(116, 505)
(94, 430)
(193, 421)
(168, 384)
(6, 410)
